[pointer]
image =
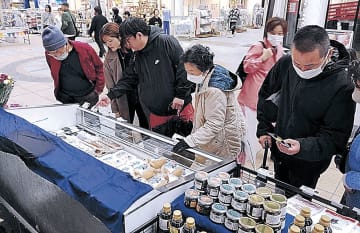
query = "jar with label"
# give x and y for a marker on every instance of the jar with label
(294, 229)
(306, 213)
(299, 221)
(248, 188)
(325, 221)
(262, 228)
(282, 200)
(189, 226)
(232, 220)
(255, 207)
(224, 176)
(318, 229)
(177, 223)
(264, 192)
(191, 198)
(204, 205)
(225, 194)
(218, 212)
(164, 218)
(200, 181)
(277, 228)
(246, 225)
(236, 182)
(213, 186)
(271, 213)
(239, 201)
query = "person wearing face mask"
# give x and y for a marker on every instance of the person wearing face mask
(315, 111)
(117, 59)
(76, 69)
(258, 61)
(352, 169)
(218, 124)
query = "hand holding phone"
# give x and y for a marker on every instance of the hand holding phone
(279, 139)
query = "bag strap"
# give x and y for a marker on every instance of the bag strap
(72, 20)
(263, 44)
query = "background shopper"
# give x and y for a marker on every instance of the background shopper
(68, 22)
(116, 60)
(96, 24)
(156, 20)
(75, 68)
(218, 124)
(116, 17)
(47, 18)
(258, 61)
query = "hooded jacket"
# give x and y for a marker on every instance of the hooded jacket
(317, 112)
(218, 125)
(157, 73)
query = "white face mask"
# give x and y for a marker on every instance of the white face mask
(62, 56)
(197, 79)
(275, 40)
(308, 74)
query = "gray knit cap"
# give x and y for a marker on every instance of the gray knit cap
(53, 38)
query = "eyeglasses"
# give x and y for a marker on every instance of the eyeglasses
(127, 39)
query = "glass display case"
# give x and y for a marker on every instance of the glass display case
(144, 155)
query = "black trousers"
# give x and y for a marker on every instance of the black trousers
(135, 106)
(299, 172)
(100, 45)
(232, 27)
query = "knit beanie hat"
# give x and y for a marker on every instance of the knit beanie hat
(53, 38)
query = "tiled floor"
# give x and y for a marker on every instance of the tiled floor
(34, 85)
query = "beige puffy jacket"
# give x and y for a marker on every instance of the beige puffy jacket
(219, 125)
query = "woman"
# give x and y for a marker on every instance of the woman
(259, 60)
(47, 17)
(156, 20)
(116, 60)
(218, 125)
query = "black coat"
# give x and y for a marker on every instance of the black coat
(96, 24)
(318, 112)
(155, 21)
(157, 73)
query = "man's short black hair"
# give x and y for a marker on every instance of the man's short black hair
(133, 25)
(200, 56)
(127, 13)
(98, 10)
(312, 37)
(65, 4)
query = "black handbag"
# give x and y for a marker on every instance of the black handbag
(177, 125)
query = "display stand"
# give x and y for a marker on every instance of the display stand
(183, 26)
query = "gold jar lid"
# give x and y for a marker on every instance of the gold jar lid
(272, 206)
(247, 222)
(167, 207)
(325, 220)
(299, 220)
(306, 212)
(190, 222)
(262, 228)
(294, 229)
(279, 198)
(318, 229)
(263, 191)
(256, 199)
(177, 215)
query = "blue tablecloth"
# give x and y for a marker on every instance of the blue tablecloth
(204, 222)
(105, 191)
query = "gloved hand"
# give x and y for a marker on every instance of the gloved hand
(180, 146)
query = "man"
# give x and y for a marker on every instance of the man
(156, 20)
(315, 112)
(96, 24)
(68, 20)
(76, 69)
(126, 15)
(156, 71)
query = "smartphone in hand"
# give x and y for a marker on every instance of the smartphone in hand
(279, 139)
